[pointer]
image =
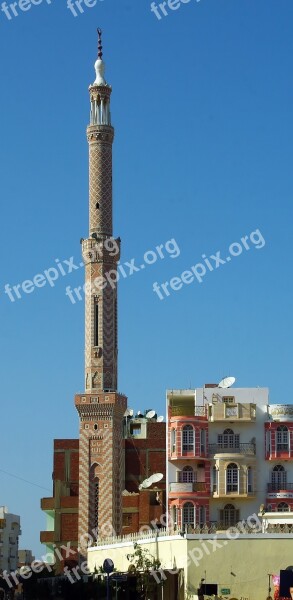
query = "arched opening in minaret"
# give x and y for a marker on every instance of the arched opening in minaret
(94, 497)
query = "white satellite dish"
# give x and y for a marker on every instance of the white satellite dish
(145, 484)
(150, 414)
(226, 382)
(131, 412)
(160, 419)
(127, 413)
(156, 477)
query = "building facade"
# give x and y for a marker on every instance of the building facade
(9, 534)
(25, 558)
(61, 508)
(144, 454)
(229, 452)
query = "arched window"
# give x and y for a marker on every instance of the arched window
(188, 514)
(283, 507)
(279, 478)
(187, 439)
(229, 516)
(228, 439)
(232, 478)
(187, 475)
(94, 482)
(282, 438)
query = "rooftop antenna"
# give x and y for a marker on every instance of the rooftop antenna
(100, 46)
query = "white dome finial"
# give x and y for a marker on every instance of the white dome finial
(99, 64)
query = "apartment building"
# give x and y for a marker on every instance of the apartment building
(9, 533)
(229, 456)
(61, 508)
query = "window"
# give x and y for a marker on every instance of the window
(282, 438)
(283, 507)
(279, 478)
(214, 479)
(188, 514)
(228, 399)
(229, 516)
(173, 440)
(186, 475)
(232, 478)
(187, 438)
(202, 440)
(96, 341)
(229, 439)
(126, 520)
(135, 429)
(202, 516)
(249, 480)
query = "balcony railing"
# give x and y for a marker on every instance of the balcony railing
(184, 486)
(240, 449)
(178, 410)
(277, 487)
(223, 411)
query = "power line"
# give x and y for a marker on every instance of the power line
(25, 480)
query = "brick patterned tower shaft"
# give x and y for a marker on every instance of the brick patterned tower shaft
(100, 408)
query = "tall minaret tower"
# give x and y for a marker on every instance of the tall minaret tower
(101, 407)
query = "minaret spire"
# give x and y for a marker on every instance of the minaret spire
(100, 45)
(100, 407)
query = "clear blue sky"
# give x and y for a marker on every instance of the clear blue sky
(202, 107)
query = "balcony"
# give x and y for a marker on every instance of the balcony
(279, 452)
(245, 449)
(201, 488)
(241, 494)
(279, 491)
(47, 503)
(47, 537)
(223, 411)
(185, 408)
(281, 412)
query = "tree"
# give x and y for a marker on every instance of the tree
(143, 566)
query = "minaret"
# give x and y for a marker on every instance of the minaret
(101, 407)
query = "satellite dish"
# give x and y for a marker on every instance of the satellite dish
(131, 412)
(226, 382)
(156, 477)
(127, 413)
(145, 484)
(160, 419)
(138, 414)
(150, 414)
